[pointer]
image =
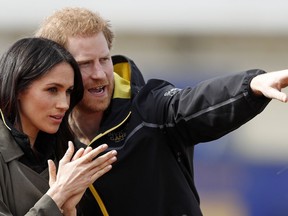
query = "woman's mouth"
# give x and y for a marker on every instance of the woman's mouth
(57, 118)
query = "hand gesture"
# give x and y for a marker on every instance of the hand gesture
(76, 173)
(271, 84)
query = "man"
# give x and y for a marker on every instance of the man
(153, 126)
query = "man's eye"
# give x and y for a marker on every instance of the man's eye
(84, 64)
(105, 59)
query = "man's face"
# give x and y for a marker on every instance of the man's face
(93, 57)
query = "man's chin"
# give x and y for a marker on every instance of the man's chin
(92, 107)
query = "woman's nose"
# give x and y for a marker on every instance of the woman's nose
(63, 102)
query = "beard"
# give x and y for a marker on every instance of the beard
(90, 104)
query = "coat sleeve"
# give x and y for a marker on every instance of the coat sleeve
(45, 206)
(4, 190)
(206, 111)
(4, 210)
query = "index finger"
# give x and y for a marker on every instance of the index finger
(69, 153)
(95, 152)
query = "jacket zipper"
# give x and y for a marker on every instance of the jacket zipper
(91, 187)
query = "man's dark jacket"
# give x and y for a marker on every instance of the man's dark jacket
(154, 127)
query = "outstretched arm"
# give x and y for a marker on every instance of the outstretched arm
(270, 85)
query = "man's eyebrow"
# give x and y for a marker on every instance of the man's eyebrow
(82, 61)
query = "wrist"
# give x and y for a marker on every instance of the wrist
(254, 87)
(69, 212)
(57, 197)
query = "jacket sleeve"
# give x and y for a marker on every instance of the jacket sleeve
(207, 111)
(4, 210)
(44, 207)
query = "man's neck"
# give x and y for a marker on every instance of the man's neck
(86, 125)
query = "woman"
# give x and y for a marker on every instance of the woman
(40, 83)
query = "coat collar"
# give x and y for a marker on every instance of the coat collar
(9, 149)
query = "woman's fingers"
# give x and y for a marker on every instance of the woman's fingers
(102, 165)
(69, 153)
(86, 162)
(88, 154)
(100, 173)
(87, 150)
(93, 169)
(106, 158)
(93, 153)
(79, 153)
(52, 172)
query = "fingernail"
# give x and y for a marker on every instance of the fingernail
(104, 146)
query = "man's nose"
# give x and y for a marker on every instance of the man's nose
(98, 71)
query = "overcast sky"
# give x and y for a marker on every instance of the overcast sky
(256, 16)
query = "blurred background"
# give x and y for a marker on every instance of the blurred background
(246, 172)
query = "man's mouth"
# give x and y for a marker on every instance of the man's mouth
(97, 90)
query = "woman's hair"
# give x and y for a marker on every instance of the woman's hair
(27, 60)
(74, 22)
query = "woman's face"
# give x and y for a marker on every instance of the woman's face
(43, 105)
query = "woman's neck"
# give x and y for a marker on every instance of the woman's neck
(31, 134)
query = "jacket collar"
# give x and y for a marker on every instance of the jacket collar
(128, 81)
(9, 149)
(121, 87)
(127, 69)
(14, 144)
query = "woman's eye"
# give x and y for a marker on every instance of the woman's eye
(53, 90)
(69, 91)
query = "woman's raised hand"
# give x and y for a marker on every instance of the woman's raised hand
(76, 173)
